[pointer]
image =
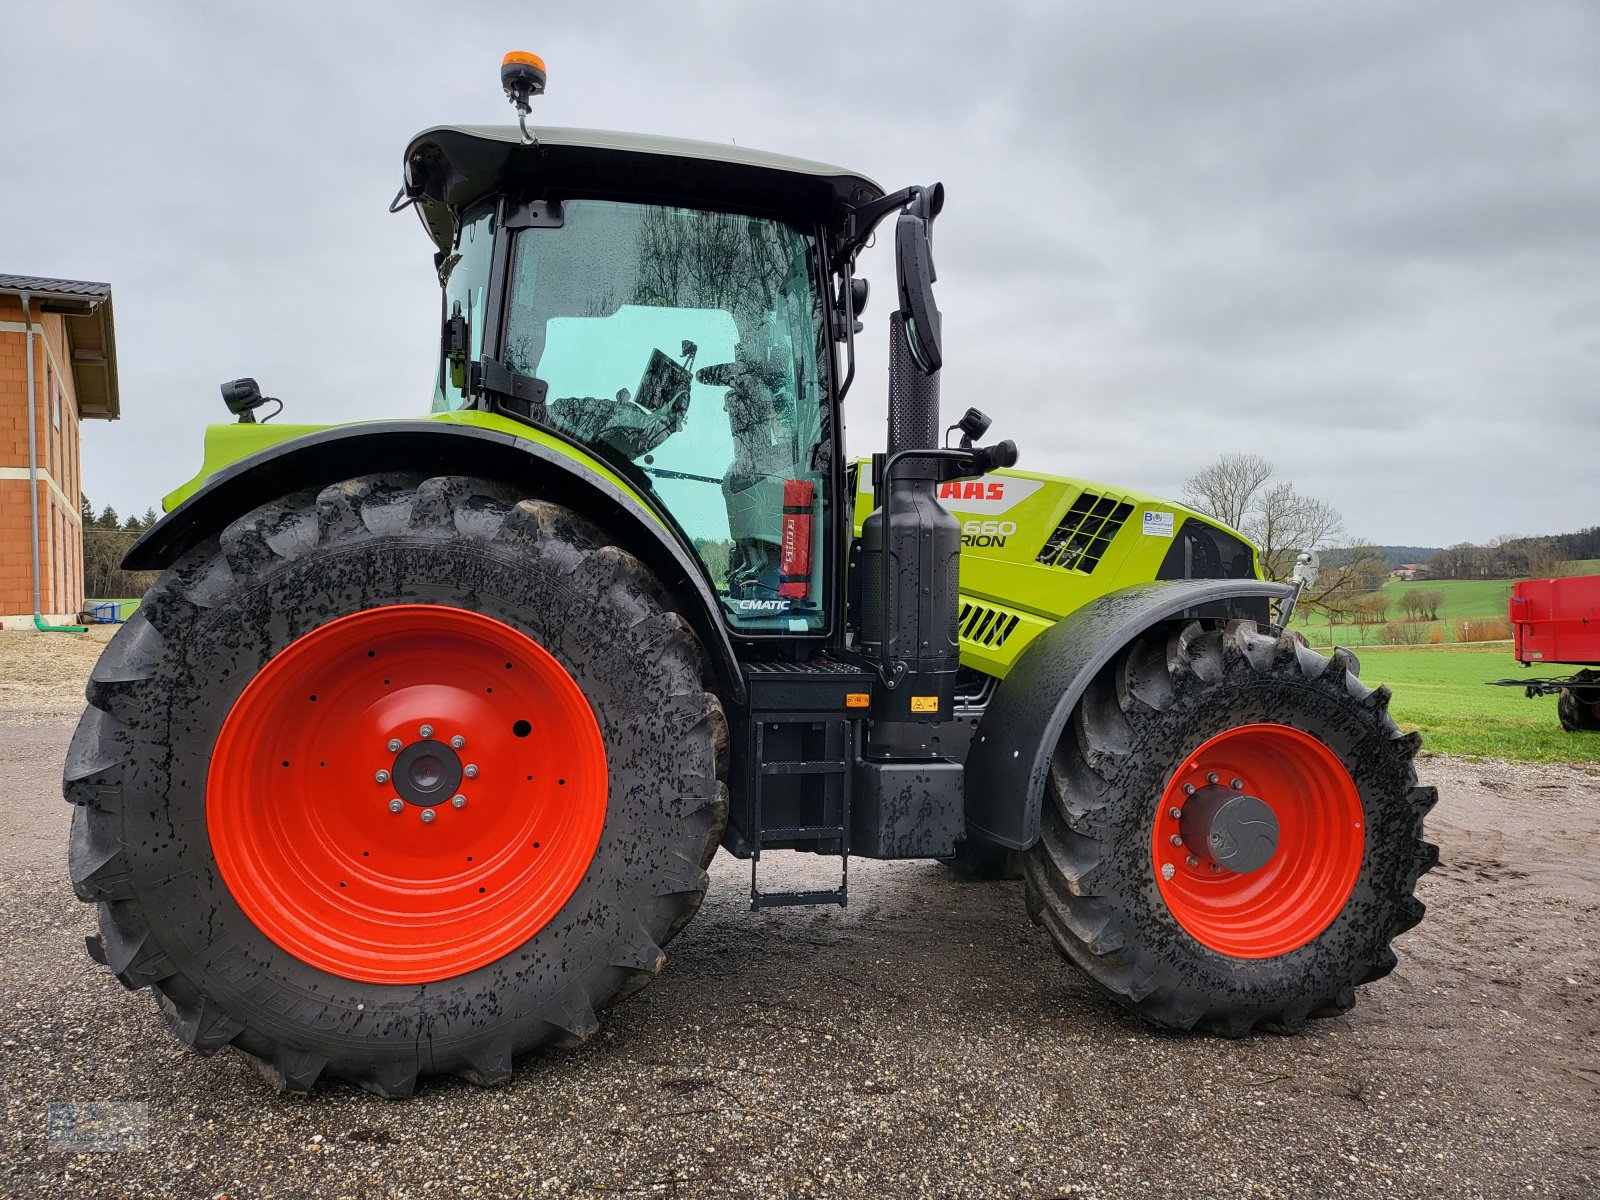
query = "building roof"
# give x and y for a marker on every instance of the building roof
(91, 336)
(12, 284)
(449, 167)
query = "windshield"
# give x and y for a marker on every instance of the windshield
(687, 343)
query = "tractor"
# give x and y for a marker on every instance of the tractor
(415, 756)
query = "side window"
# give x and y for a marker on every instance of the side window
(466, 283)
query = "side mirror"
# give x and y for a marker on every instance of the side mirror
(913, 252)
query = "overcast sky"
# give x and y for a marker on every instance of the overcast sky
(1362, 239)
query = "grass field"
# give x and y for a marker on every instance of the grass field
(1440, 691)
(1464, 599)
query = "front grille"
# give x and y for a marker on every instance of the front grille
(1080, 541)
(985, 625)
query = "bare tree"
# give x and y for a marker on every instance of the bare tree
(1339, 592)
(1461, 561)
(1506, 556)
(1283, 523)
(1236, 489)
(1371, 609)
(1545, 560)
(1403, 633)
(1421, 604)
(1227, 488)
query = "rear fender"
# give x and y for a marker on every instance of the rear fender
(436, 448)
(1010, 753)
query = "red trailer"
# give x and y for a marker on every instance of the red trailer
(1558, 621)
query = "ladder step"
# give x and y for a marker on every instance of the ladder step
(802, 833)
(793, 899)
(802, 768)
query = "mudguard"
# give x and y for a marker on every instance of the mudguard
(1010, 753)
(437, 448)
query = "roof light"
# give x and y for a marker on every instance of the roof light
(523, 76)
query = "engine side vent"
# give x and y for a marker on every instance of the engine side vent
(1083, 536)
(985, 625)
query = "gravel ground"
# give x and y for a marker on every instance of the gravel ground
(925, 1041)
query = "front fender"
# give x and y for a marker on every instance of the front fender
(340, 452)
(1010, 753)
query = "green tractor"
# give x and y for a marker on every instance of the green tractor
(415, 756)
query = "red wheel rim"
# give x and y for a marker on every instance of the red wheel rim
(1321, 841)
(302, 828)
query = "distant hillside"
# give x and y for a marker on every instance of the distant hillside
(1584, 544)
(1395, 554)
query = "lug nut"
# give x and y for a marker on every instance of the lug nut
(1176, 840)
(1168, 871)
(1211, 776)
(396, 805)
(1236, 784)
(428, 816)
(1188, 789)
(458, 802)
(1174, 812)
(1192, 861)
(457, 742)
(1215, 869)
(382, 776)
(472, 771)
(394, 745)
(426, 731)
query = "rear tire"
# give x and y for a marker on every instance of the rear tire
(1338, 894)
(1579, 714)
(151, 783)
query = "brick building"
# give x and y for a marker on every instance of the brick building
(74, 373)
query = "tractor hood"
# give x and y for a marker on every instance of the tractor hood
(449, 167)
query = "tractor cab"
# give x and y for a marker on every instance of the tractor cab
(672, 306)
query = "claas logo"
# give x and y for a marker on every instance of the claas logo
(986, 497)
(972, 489)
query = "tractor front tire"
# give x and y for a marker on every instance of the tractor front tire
(1197, 919)
(1580, 713)
(399, 777)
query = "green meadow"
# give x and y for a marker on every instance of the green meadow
(1440, 691)
(1464, 599)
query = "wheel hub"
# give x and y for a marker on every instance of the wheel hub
(1258, 840)
(1229, 829)
(426, 773)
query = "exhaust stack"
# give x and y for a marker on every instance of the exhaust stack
(910, 546)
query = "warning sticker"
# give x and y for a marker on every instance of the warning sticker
(924, 704)
(1157, 524)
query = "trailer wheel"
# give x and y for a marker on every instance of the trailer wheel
(1233, 832)
(399, 778)
(1580, 713)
